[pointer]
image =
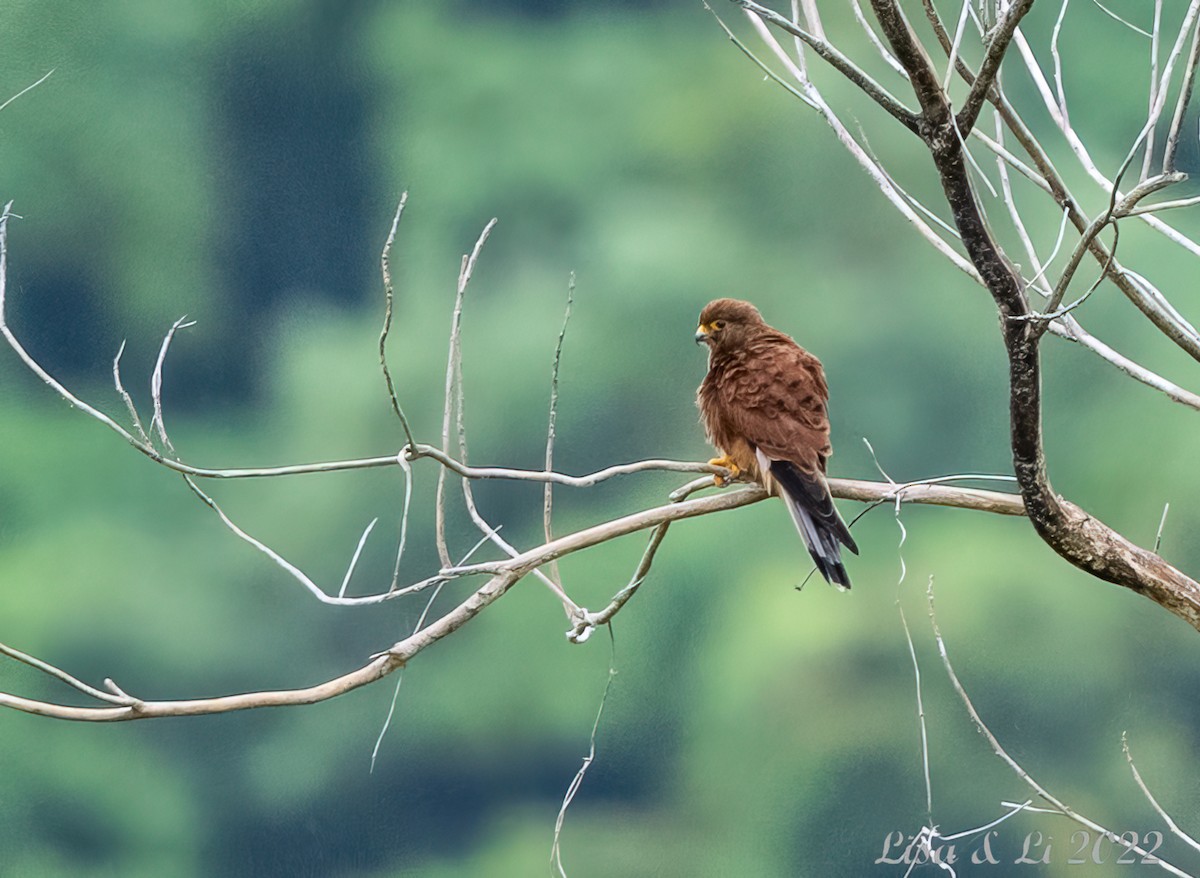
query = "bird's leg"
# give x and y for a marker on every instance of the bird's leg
(726, 462)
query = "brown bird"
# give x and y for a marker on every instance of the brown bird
(763, 407)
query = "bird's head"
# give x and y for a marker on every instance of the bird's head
(726, 323)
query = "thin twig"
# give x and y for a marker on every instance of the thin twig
(453, 358)
(548, 489)
(455, 388)
(952, 60)
(406, 468)
(388, 294)
(298, 574)
(1162, 522)
(839, 62)
(873, 37)
(1155, 30)
(1111, 14)
(1171, 824)
(997, 47)
(362, 541)
(860, 155)
(1181, 104)
(387, 722)
(589, 622)
(126, 398)
(28, 89)
(912, 652)
(1056, 56)
(156, 384)
(1014, 765)
(59, 674)
(577, 781)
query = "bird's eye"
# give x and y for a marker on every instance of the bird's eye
(720, 324)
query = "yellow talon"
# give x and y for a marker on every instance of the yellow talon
(727, 463)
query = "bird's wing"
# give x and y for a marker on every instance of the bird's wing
(777, 402)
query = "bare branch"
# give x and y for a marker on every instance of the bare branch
(548, 490)
(584, 481)
(59, 674)
(156, 384)
(589, 622)
(577, 781)
(1171, 824)
(928, 493)
(999, 750)
(128, 400)
(997, 46)
(406, 467)
(28, 89)
(1114, 212)
(1155, 31)
(1076, 144)
(1181, 105)
(377, 668)
(298, 574)
(1113, 15)
(1070, 329)
(912, 652)
(1165, 205)
(838, 61)
(386, 269)
(362, 541)
(952, 58)
(877, 175)
(380, 666)
(887, 56)
(453, 362)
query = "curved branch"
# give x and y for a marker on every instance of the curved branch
(839, 62)
(1143, 296)
(1079, 538)
(503, 575)
(379, 667)
(369, 673)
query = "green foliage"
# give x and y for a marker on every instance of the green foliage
(752, 729)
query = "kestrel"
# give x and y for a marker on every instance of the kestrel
(763, 405)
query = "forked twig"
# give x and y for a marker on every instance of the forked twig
(60, 674)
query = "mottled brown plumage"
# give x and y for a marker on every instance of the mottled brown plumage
(763, 405)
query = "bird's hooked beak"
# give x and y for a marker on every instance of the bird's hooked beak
(703, 333)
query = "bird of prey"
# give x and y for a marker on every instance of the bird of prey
(763, 407)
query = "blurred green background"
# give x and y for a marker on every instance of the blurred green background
(240, 162)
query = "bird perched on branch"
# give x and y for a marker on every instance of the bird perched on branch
(763, 407)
